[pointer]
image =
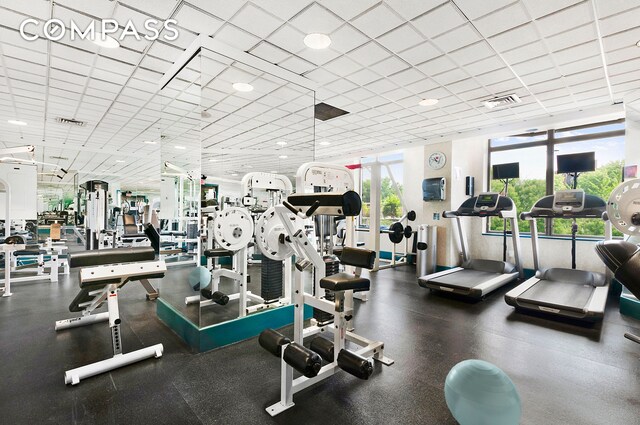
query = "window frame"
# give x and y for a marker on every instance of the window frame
(550, 144)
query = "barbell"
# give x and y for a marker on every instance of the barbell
(397, 231)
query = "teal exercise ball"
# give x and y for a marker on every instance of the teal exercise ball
(480, 393)
(199, 278)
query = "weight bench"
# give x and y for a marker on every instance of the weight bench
(102, 274)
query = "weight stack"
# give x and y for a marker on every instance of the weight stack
(192, 233)
(332, 266)
(270, 279)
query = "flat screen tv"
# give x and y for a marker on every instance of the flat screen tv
(506, 171)
(576, 163)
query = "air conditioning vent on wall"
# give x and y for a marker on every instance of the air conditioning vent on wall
(71, 121)
(501, 101)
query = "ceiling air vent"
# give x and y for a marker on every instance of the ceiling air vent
(501, 101)
(325, 112)
(71, 121)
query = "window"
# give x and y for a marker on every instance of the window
(536, 153)
(391, 189)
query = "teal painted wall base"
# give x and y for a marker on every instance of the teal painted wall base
(630, 307)
(215, 336)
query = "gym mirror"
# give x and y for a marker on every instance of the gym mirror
(241, 119)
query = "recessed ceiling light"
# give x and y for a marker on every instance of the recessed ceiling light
(16, 122)
(213, 160)
(428, 102)
(317, 41)
(283, 157)
(104, 40)
(150, 142)
(638, 43)
(234, 174)
(119, 160)
(180, 147)
(244, 87)
(325, 143)
(281, 143)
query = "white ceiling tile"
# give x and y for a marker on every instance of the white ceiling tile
(342, 66)
(475, 9)
(581, 65)
(409, 9)
(381, 86)
(620, 22)
(533, 65)
(540, 76)
(472, 53)
(269, 52)
(256, 20)
(316, 19)
(564, 20)
(341, 85)
(297, 65)
(457, 38)
(368, 54)
(283, 9)
(539, 8)
(223, 9)
(377, 21)
(389, 66)
(288, 38)
(525, 53)
(236, 37)
(516, 37)
(348, 9)
(621, 55)
(407, 77)
(502, 20)
(347, 38)
(158, 8)
(612, 7)
(451, 76)
(575, 53)
(484, 65)
(318, 57)
(401, 38)
(573, 37)
(364, 76)
(420, 53)
(436, 66)
(438, 21)
(197, 21)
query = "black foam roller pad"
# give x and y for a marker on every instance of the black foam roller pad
(323, 347)
(272, 341)
(302, 359)
(354, 364)
(111, 256)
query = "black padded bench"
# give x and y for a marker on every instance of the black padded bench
(359, 258)
(102, 274)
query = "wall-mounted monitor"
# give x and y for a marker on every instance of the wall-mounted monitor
(576, 163)
(434, 189)
(506, 171)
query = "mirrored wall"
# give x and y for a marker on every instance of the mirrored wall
(222, 119)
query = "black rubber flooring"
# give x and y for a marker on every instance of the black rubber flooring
(565, 373)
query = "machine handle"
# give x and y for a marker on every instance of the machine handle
(290, 207)
(313, 208)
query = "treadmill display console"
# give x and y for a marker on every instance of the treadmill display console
(486, 202)
(568, 201)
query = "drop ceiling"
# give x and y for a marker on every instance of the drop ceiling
(557, 56)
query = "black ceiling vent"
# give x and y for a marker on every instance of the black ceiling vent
(71, 121)
(326, 112)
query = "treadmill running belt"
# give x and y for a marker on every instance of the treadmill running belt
(557, 294)
(465, 279)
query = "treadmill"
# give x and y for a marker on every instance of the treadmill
(475, 278)
(571, 293)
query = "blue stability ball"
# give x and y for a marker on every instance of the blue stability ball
(479, 393)
(199, 278)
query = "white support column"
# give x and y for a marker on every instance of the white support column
(374, 212)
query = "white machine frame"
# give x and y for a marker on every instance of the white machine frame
(109, 294)
(308, 261)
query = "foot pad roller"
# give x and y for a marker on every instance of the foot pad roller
(354, 364)
(324, 348)
(302, 359)
(217, 296)
(272, 341)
